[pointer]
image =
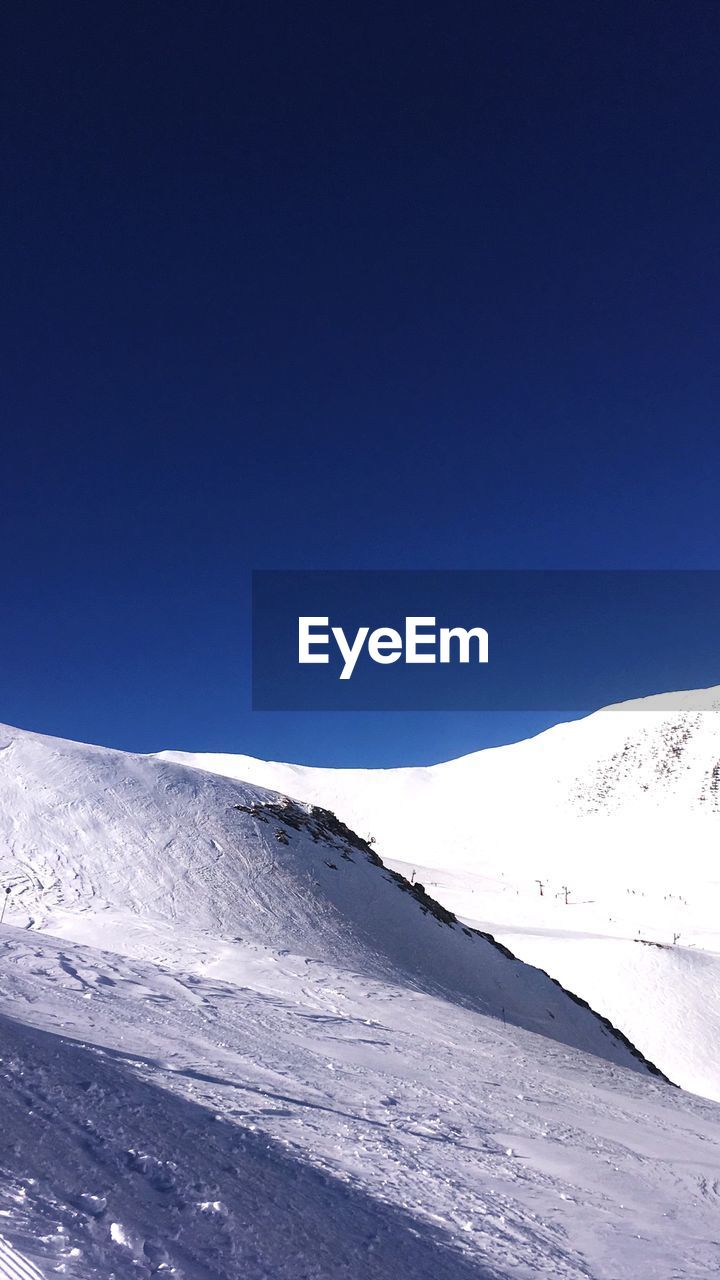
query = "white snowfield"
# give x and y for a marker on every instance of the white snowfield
(592, 850)
(235, 1046)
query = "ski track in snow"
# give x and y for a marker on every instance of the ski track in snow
(179, 1107)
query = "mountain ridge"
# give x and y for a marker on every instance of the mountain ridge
(191, 960)
(604, 827)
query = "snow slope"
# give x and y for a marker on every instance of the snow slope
(88, 830)
(234, 1046)
(297, 1122)
(621, 810)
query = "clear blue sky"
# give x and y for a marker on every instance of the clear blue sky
(339, 285)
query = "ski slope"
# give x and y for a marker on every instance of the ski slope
(578, 848)
(89, 833)
(297, 1122)
(235, 1046)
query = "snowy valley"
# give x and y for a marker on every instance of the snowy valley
(591, 850)
(238, 1045)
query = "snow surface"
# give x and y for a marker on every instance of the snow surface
(622, 809)
(235, 1046)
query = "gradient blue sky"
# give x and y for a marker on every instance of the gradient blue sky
(339, 286)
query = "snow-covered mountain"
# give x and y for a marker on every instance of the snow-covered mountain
(592, 850)
(91, 836)
(235, 1046)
